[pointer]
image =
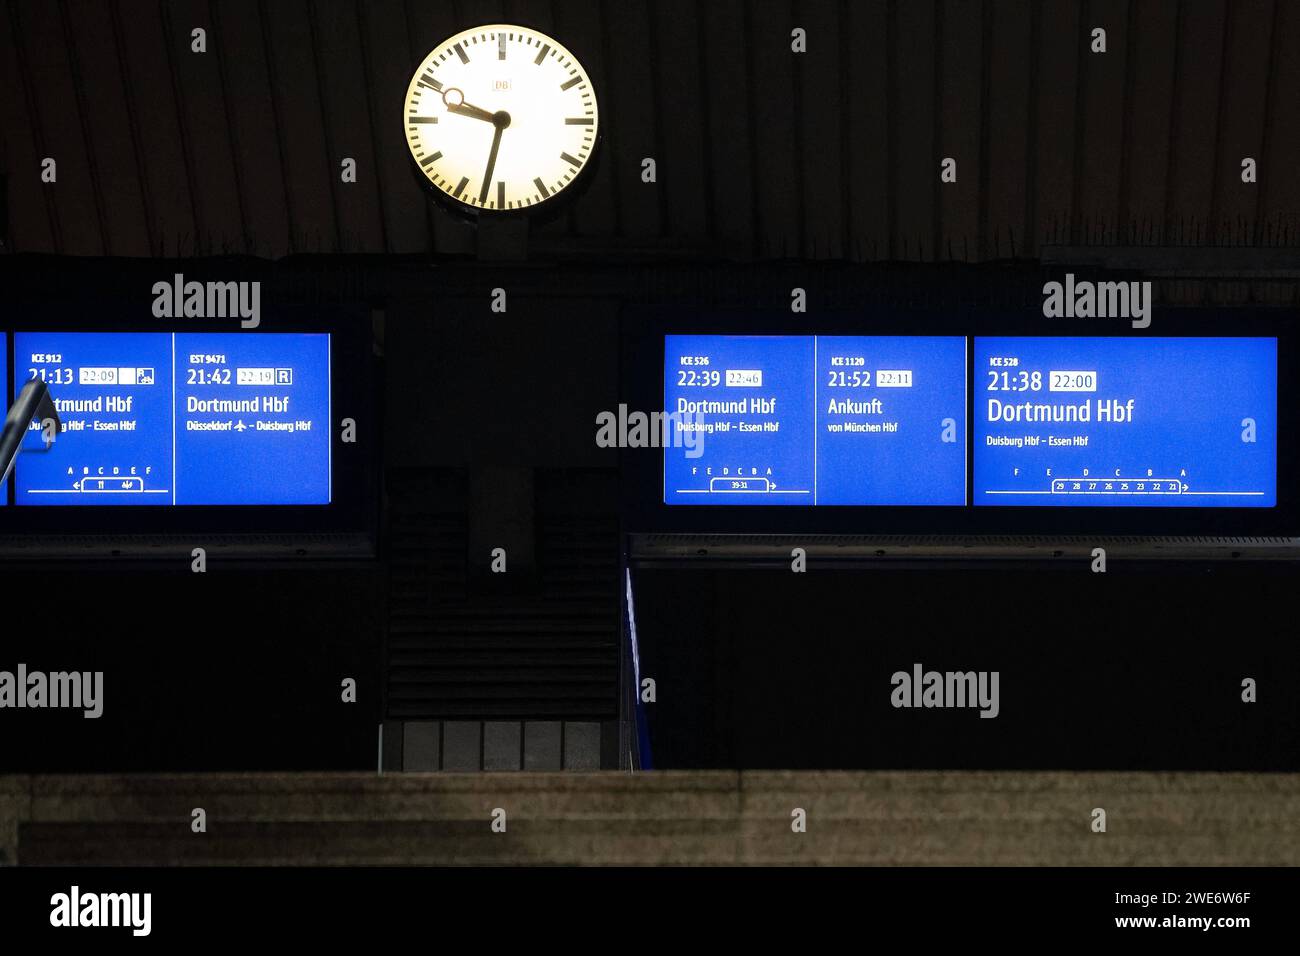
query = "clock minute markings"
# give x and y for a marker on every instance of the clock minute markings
(426, 79)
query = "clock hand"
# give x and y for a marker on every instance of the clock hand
(464, 109)
(454, 100)
(492, 162)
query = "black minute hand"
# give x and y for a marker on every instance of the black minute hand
(492, 162)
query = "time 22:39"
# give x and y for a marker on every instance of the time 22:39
(702, 379)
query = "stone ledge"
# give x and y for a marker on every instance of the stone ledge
(664, 817)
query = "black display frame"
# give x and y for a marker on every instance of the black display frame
(353, 484)
(644, 328)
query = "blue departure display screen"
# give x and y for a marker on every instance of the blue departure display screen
(814, 420)
(186, 418)
(1151, 422)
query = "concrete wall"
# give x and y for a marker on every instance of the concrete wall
(925, 818)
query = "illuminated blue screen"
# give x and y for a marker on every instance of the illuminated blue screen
(815, 420)
(186, 418)
(1154, 422)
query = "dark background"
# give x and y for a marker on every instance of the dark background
(775, 170)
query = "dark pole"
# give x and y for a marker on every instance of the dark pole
(33, 402)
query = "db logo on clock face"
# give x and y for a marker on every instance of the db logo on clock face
(500, 118)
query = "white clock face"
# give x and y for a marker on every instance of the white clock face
(500, 118)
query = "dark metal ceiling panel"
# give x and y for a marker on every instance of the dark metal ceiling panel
(206, 127)
(168, 190)
(821, 153)
(776, 165)
(728, 132)
(682, 119)
(30, 210)
(959, 39)
(636, 102)
(254, 125)
(1103, 111)
(308, 171)
(1279, 186)
(43, 51)
(1196, 113)
(383, 30)
(1010, 114)
(1057, 96)
(871, 137)
(1151, 67)
(760, 151)
(915, 167)
(344, 91)
(116, 162)
(1249, 51)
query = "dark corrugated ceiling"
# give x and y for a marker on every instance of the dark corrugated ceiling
(761, 152)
